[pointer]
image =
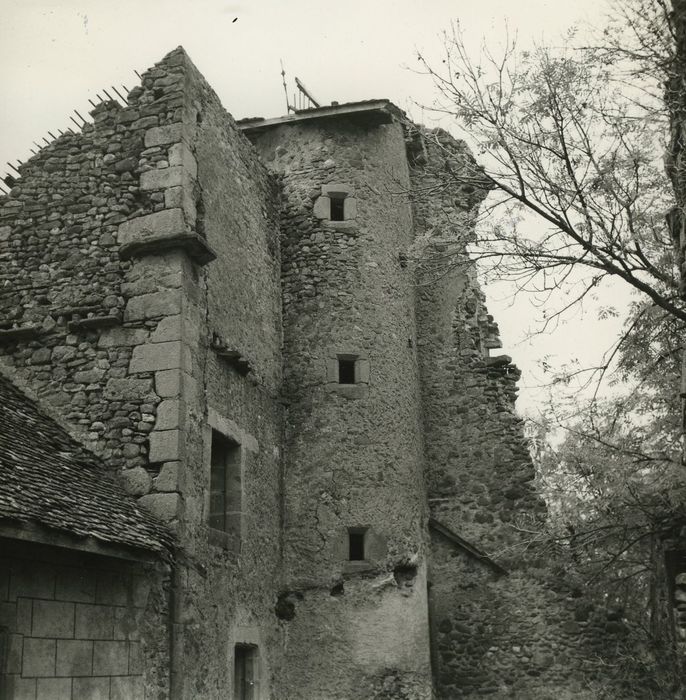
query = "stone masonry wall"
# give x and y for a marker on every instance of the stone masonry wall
(231, 323)
(533, 632)
(353, 452)
(81, 626)
(115, 221)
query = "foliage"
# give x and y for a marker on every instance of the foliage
(562, 139)
(570, 140)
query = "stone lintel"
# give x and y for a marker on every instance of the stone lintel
(11, 335)
(94, 322)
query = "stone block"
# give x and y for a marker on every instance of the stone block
(165, 506)
(155, 305)
(19, 688)
(161, 135)
(91, 688)
(74, 657)
(181, 197)
(322, 208)
(53, 618)
(168, 415)
(338, 188)
(165, 446)
(24, 614)
(141, 591)
(89, 376)
(349, 208)
(113, 589)
(181, 155)
(8, 615)
(128, 389)
(161, 178)
(137, 481)
(127, 622)
(25, 583)
(127, 688)
(4, 584)
(169, 328)
(38, 657)
(54, 689)
(164, 270)
(122, 337)
(14, 653)
(153, 357)
(168, 383)
(110, 658)
(168, 478)
(362, 371)
(145, 122)
(77, 585)
(162, 224)
(94, 621)
(135, 658)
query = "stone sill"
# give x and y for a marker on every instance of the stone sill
(194, 245)
(12, 335)
(348, 391)
(225, 540)
(94, 322)
(349, 226)
(357, 567)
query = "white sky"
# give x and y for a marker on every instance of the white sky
(55, 54)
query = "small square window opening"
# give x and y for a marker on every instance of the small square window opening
(346, 370)
(337, 207)
(356, 545)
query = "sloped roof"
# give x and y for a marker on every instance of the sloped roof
(49, 479)
(381, 111)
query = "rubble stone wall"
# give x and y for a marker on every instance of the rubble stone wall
(529, 630)
(114, 318)
(353, 452)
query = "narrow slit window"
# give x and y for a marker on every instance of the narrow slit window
(337, 207)
(245, 672)
(346, 370)
(356, 545)
(225, 485)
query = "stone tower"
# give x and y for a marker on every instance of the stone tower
(355, 509)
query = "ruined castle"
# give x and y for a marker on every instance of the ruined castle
(256, 452)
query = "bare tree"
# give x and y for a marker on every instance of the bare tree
(564, 135)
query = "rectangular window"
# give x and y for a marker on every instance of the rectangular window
(346, 370)
(337, 207)
(245, 672)
(356, 544)
(225, 485)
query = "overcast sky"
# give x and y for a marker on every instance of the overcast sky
(55, 54)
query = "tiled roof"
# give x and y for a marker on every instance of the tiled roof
(49, 479)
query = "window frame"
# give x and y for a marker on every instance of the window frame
(230, 535)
